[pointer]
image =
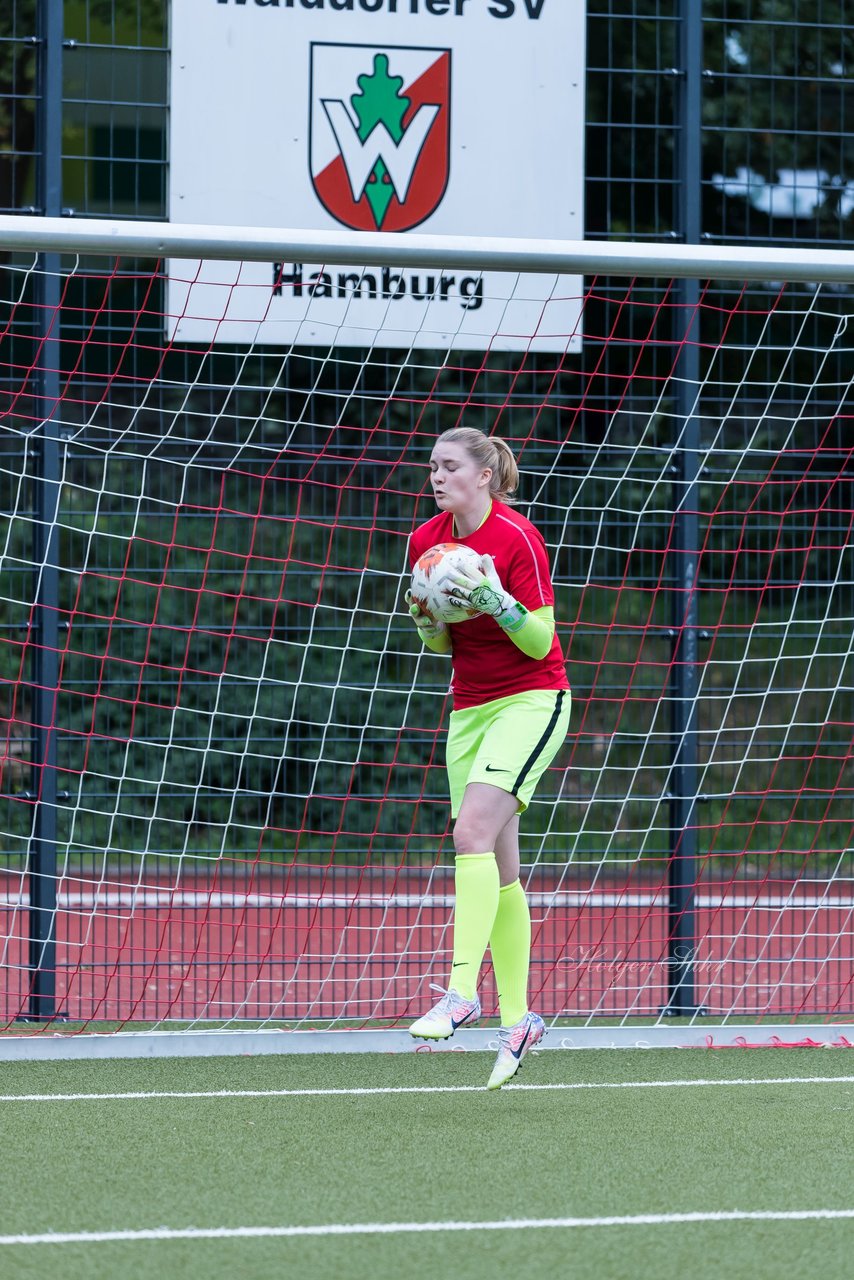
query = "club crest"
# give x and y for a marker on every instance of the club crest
(379, 133)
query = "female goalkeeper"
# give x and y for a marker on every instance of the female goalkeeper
(510, 715)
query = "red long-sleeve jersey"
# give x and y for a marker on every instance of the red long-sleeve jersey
(486, 662)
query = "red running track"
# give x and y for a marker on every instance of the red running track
(338, 949)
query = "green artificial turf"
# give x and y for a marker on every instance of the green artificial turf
(92, 1165)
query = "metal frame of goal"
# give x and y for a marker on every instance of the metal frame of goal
(709, 901)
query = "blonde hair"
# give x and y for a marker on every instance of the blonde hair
(488, 451)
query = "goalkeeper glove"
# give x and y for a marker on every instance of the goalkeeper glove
(485, 594)
(427, 628)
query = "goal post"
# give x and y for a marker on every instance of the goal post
(223, 811)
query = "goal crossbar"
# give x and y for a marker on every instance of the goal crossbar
(564, 257)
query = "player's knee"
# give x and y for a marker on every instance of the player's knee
(472, 837)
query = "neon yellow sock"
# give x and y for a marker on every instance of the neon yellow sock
(476, 884)
(510, 944)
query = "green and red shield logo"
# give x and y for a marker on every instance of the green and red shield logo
(380, 127)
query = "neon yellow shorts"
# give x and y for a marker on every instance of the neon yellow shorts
(508, 743)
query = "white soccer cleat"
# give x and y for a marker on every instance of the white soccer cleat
(513, 1043)
(452, 1011)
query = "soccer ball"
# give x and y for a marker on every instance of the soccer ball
(432, 584)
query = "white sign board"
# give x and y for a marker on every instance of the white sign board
(455, 117)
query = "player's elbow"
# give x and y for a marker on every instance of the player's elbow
(438, 644)
(541, 633)
(541, 650)
(535, 637)
(539, 644)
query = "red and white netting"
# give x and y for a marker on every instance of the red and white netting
(251, 812)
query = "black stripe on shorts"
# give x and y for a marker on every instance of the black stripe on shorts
(549, 730)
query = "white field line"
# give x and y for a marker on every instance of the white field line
(411, 1228)
(154, 1095)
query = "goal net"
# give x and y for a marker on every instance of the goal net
(223, 792)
